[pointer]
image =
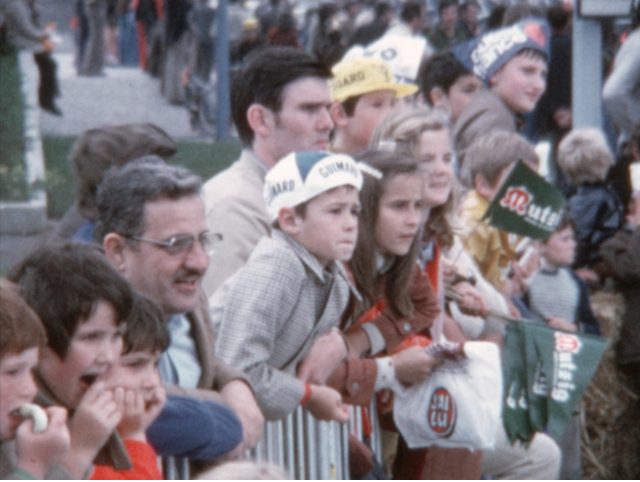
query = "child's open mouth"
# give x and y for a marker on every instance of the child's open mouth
(88, 379)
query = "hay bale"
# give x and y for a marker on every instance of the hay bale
(611, 425)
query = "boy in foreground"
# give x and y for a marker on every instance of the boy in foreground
(154, 424)
(83, 304)
(25, 451)
(293, 288)
(136, 371)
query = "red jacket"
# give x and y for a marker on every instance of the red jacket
(145, 464)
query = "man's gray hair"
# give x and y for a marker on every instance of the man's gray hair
(125, 190)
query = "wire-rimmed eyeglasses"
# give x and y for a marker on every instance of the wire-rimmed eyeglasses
(182, 243)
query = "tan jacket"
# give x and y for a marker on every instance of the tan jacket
(235, 208)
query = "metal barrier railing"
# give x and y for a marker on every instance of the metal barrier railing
(312, 449)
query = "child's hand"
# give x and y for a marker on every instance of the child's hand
(94, 420)
(449, 270)
(138, 412)
(326, 404)
(518, 279)
(153, 406)
(588, 276)
(562, 117)
(325, 355)
(528, 264)
(132, 407)
(37, 453)
(472, 302)
(561, 324)
(413, 365)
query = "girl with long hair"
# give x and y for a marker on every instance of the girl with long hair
(397, 300)
(424, 135)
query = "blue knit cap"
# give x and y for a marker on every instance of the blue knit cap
(484, 56)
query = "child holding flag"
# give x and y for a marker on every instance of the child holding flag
(487, 164)
(557, 296)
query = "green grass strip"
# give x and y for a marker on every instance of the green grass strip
(13, 183)
(203, 158)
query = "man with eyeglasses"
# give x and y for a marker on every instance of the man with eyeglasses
(280, 103)
(152, 227)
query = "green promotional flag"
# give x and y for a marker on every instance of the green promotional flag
(526, 204)
(515, 413)
(537, 386)
(569, 361)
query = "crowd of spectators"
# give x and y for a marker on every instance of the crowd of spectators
(172, 316)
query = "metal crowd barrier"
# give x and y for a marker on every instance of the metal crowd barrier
(311, 449)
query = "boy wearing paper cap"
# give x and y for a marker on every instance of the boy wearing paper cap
(364, 91)
(512, 62)
(293, 288)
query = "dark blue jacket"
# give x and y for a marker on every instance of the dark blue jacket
(598, 214)
(194, 429)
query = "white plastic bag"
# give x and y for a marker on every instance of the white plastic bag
(458, 405)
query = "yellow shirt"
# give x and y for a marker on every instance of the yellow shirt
(491, 248)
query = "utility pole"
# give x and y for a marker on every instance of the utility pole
(223, 114)
(587, 72)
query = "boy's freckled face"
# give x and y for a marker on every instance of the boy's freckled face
(17, 387)
(521, 82)
(370, 110)
(93, 349)
(329, 229)
(136, 371)
(560, 248)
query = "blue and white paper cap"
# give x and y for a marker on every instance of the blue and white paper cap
(301, 176)
(484, 56)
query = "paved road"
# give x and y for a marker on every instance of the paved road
(124, 94)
